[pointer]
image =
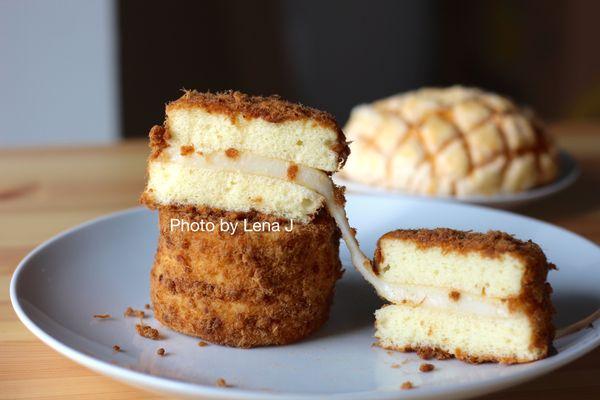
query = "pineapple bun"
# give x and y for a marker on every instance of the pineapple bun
(452, 141)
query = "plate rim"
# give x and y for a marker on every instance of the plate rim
(189, 389)
(566, 178)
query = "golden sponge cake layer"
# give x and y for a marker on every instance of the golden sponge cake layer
(470, 272)
(266, 126)
(171, 183)
(469, 337)
(493, 264)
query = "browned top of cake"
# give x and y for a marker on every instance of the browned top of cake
(272, 108)
(491, 244)
(232, 103)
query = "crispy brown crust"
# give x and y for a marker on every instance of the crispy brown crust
(492, 244)
(233, 103)
(272, 109)
(159, 137)
(534, 299)
(339, 196)
(244, 290)
(536, 303)
(427, 353)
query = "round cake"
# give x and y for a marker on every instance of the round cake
(248, 250)
(453, 141)
(252, 288)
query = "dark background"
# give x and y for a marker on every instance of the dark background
(335, 54)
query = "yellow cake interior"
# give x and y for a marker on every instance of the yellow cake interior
(404, 263)
(182, 183)
(266, 131)
(302, 142)
(407, 327)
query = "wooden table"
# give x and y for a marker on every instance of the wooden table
(44, 191)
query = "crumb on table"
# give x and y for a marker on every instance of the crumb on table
(395, 365)
(116, 347)
(202, 343)
(160, 352)
(147, 306)
(102, 316)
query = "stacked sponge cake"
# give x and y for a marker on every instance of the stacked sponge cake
(238, 159)
(478, 297)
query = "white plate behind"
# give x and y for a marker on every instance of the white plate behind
(569, 172)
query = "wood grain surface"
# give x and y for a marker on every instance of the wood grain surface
(44, 191)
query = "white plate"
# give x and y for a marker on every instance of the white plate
(569, 172)
(103, 267)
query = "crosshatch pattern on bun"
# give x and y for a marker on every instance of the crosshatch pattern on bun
(449, 141)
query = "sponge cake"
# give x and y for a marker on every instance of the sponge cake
(239, 159)
(231, 123)
(477, 297)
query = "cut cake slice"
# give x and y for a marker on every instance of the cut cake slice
(259, 129)
(477, 297)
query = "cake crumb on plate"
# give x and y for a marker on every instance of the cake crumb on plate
(426, 367)
(147, 331)
(132, 312)
(222, 383)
